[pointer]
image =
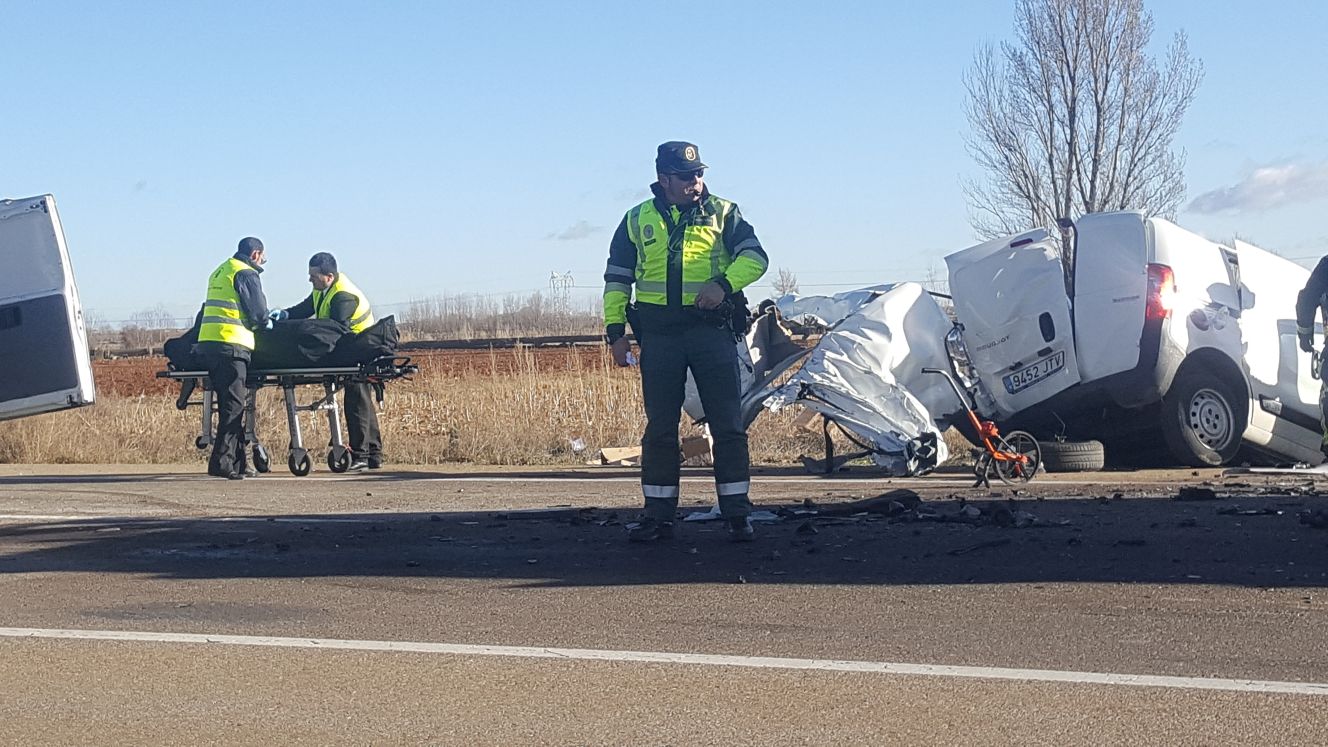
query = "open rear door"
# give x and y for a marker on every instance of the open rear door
(1010, 296)
(1110, 291)
(44, 362)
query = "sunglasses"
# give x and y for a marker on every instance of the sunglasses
(689, 175)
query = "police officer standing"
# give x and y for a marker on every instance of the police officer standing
(336, 297)
(1313, 298)
(689, 254)
(234, 308)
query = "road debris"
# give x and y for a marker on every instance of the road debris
(1195, 494)
(892, 503)
(1238, 511)
(980, 546)
(1318, 518)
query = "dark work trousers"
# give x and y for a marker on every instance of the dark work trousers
(1323, 403)
(362, 422)
(227, 375)
(712, 355)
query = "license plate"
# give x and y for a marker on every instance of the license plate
(1030, 375)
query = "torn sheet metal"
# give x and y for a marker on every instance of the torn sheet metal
(866, 373)
(828, 310)
(763, 354)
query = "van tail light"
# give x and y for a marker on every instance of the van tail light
(1161, 292)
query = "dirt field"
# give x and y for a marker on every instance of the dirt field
(132, 377)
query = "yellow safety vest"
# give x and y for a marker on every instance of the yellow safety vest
(223, 321)
(702, 252)
(361, 320)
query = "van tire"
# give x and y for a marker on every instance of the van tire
(1073, 456)
(1203, 418)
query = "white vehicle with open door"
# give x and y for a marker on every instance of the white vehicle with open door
(44, 361)
(1147, 329)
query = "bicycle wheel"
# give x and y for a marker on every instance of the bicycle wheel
(1023, 444)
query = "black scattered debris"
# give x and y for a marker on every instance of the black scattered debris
(980, 546)
(1238, 511)
(892, 503)
(1318, 518)
(807, 528)
(1195, 494)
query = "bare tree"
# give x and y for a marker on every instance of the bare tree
(1074, 117)
(149, 328)
(785, 284)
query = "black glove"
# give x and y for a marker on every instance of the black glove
(1307, 343)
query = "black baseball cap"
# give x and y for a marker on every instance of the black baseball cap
(678, 157)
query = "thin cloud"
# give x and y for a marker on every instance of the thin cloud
(1266, 188)
(635, 193)
(579, 230)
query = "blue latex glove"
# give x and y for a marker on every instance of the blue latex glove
(278, 315)
(268, 324)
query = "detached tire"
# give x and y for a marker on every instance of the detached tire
(1203, 418)
(1073, 456)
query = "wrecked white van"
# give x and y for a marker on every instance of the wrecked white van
(1125, 326)
(44, 361)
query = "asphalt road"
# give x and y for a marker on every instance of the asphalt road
(477, 606)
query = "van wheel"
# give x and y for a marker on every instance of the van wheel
(1203, 418)
(1073, 456)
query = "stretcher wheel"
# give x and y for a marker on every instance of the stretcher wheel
(201, 442)
(299, 463)
(338, 459)
(262, 462)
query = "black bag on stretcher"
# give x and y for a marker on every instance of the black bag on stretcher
(379, 340)
(300, 343)
(296, 343)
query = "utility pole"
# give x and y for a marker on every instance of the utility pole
(560, 287)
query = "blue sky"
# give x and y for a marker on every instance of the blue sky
(445, 148)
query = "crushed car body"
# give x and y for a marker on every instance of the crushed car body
(865, 373)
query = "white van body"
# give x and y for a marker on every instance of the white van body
(44, 361)
(1152, 328)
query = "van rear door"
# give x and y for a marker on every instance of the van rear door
(44, 362)
(1110, 291)
(1009, 294)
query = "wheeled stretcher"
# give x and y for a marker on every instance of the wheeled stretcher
(332, 380)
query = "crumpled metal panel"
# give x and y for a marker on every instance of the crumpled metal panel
(866, 372)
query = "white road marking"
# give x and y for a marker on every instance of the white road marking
(82, 519)
(655, 657)
(636, 479)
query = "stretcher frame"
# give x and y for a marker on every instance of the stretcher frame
(332, 379)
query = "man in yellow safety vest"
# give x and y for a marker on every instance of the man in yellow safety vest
(336, 297)
(234, 308)
(688, 254)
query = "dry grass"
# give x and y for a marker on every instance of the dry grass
(526, 417)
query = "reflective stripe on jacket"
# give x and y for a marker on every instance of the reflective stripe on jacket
(223, 319)
(669, 254)
(361, 319)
